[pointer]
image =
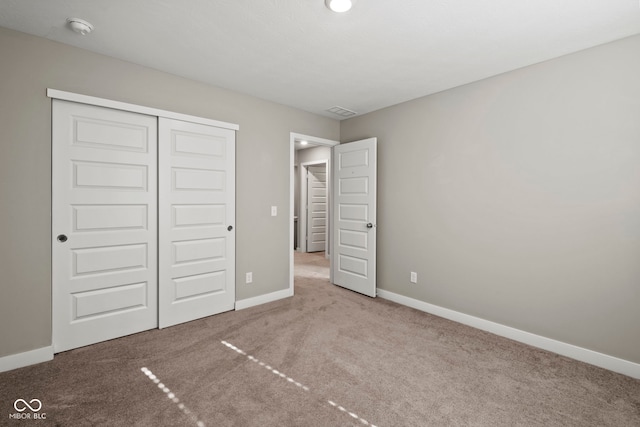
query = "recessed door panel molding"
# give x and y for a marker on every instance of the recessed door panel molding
(191, 144)
(110, 301)
(104, 224)
(353, 212)
(199, 250)
(110, 176)
(109, 259)
(196, 178)
(95, 218)
(354, 159)
(110, 134)
(354, 186)
(321, 191)
(319, 222)
(354, 266)
(354, 238)
(199, 285)
(319, 237)
(319, 207)
(199, 215)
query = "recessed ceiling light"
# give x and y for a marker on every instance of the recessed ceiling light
(303, 142)
(80, 26)
(339, 5)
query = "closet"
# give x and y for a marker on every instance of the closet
(143, 212)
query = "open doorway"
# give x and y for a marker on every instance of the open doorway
(310, 155)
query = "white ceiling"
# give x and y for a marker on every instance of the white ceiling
(298, 53)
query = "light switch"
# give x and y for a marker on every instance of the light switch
(274, 211)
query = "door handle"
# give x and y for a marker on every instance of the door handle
(61, 238)
(369, 225)
(229, 228)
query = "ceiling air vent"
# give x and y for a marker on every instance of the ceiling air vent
(342, 112)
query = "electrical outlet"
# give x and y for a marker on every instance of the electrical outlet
(414, 277)
(249, 277)
(274, 211)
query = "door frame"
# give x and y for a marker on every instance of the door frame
(304, 202)
(313, 141)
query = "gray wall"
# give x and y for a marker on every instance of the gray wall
(28, 66)
(517, 198)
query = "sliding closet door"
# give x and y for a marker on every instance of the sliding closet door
(196, 220)
(104, 230)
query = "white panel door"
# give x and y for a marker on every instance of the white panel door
(196, 178)
(354, 242)
(104, 230)
(316, 208)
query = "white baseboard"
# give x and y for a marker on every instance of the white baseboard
(15, 361)
(263, 299)
(601, 360)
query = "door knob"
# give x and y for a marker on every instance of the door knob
(62, 238)
(229, 228)
(369, 225)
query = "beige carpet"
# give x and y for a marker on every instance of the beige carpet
(326, 357)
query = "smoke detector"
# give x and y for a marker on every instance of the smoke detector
(80, 26)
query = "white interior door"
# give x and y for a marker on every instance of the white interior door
(354, 192)
(196, 220)
(316, 207)
(104, 230)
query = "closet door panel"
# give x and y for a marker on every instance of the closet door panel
(196, 219)
(104, 224)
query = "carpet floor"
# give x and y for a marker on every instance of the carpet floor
(325, 357)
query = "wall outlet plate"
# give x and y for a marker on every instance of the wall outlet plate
(414, 277)
(249, 277)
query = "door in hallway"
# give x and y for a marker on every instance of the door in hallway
(316, 207)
